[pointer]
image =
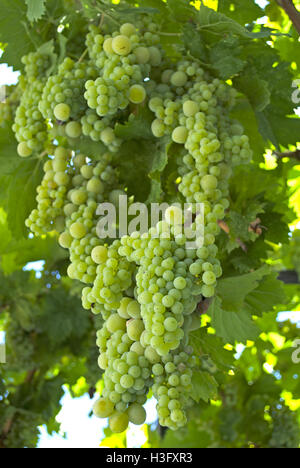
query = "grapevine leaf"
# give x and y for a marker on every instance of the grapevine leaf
(232, 326)
(244, 11)
(256, 89)
(233, 291)
(35, 9)
(15, 32)
(205, 343)
(138, 126)
(224, 56)
(204, 385)
(9, 159)
(269, 293)
(219, 23)
(194, 42)
(20, 198)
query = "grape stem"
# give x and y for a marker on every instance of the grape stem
(83, 56)
(289, 154)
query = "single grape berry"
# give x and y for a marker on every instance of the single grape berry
(62, 112)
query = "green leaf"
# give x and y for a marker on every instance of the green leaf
(268, 294)
(138, 126)
(15, 32)
(215, 22)
(233, 291)
(194, 42)
(242, 11)
(232, 326)
(206, 343)
(9, 159)
(256, 89)
(224, 56)
(19, 199)
(36, 9)
(205, 387)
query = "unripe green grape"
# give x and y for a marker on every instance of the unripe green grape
(142, 55)
(23, 150)
(78, 230)
(134, 309)
(174, 216)
(118, 422)
(171, 324)
(180, 135)
(209, 278)
(180, 283)
(61, 178)
(137, 414)
(122, 311)
(151, 355)
(190, 108)
(137, 348)
(62, 112)
(65, 240)
(134, 329)
(128, 29)
(107, 46)
(157, 369)
(73, 129)
(95, 186)
(121, 45)
(155, 56)
(99, 254)
(108, 136)
(158, 128)
(179, 79)
(209, 182)
(59, 165)
(79, 197)
(114, 196)
(103, 361)
(127, 381)
(137, 94)
(103, 408)
(87, 171)
(115, 323)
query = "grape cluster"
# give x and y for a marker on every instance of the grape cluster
(63, 98)
(146, 287)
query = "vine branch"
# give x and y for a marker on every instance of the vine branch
(291, 11)
(289, 154)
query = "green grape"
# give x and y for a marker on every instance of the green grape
(62, 112)
(23, 150)
(115, 323)
(121, 45)
(136, 414)
(137, 94)
(134, 329)
(180, 135)
(77, 230)
(73, 129)
(103, 408)
(99, 254)
(128, 29)
(118, 422)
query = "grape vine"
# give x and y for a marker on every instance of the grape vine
(146, 286)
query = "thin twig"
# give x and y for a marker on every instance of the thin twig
(291, 11)
(289, 154)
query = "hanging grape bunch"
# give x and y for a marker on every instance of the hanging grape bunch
(145, 286)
